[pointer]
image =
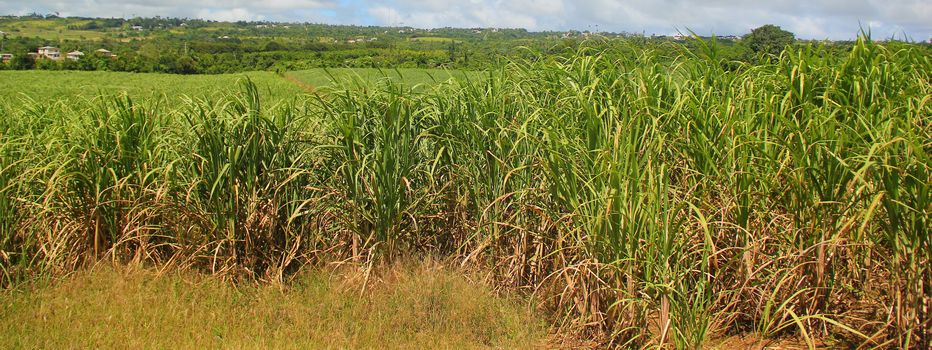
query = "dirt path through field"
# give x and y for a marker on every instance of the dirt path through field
(304, 86)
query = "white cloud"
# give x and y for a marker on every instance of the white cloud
(439, 13)
(836, 19)
(229, 15)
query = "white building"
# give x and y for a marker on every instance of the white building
(49, 52)
(75, 55)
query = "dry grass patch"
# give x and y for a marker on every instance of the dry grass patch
(426, 306)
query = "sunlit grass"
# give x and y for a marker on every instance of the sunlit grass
(418, 306)
(409, 76)
(74, 86)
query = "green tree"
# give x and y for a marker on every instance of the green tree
(273, 46)
(22, 62)
(769, 39)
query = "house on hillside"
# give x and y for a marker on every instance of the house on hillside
(137, 27)
(6, 57)
(104, 53)
(75, 55)
(52, 53)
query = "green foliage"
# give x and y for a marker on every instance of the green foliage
(22, 62)
(769, 39)
(115, 157)
(273, 46)
(247, 177)
(203, 47)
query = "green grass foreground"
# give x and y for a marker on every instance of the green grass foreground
(76, 87)
(418, 306)
(331, 77)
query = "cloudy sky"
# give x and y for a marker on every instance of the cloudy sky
(810, 19)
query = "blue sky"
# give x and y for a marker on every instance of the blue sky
(810, 19)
